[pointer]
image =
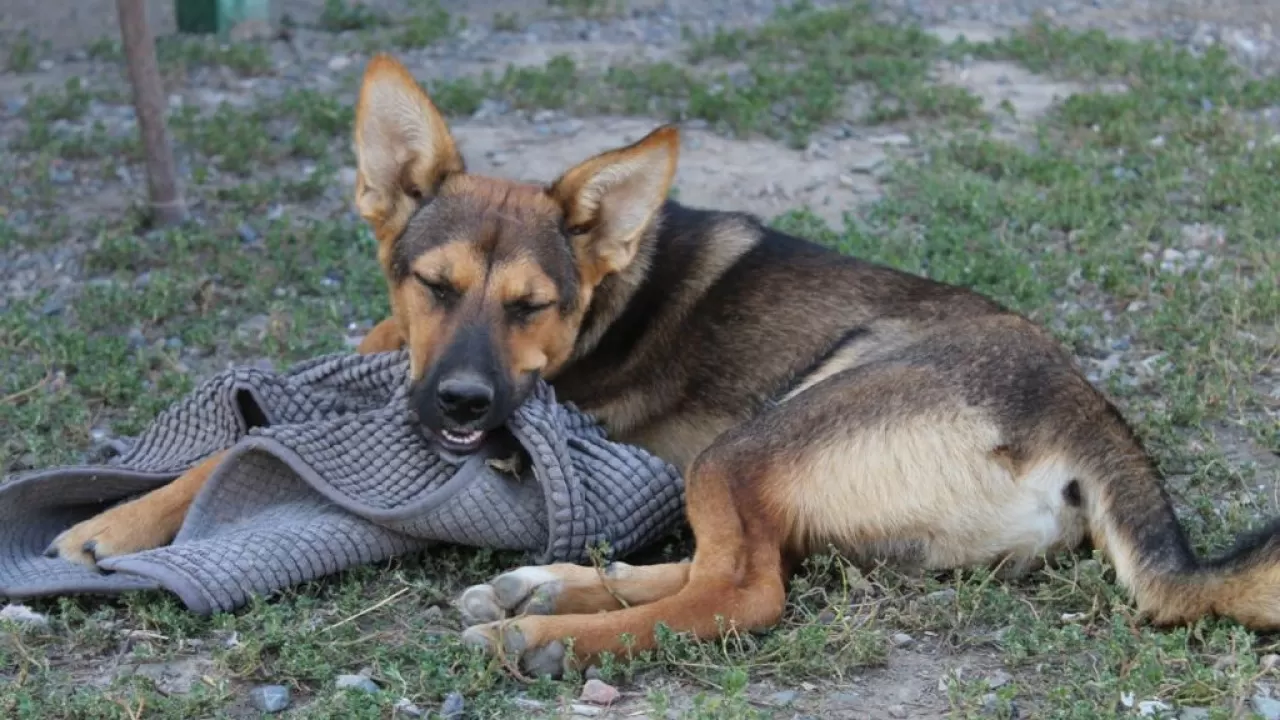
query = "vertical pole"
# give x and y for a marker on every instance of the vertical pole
(167, 205)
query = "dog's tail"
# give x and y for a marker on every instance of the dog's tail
(1131, 519)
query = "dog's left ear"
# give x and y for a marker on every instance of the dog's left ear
(610, 199)
(403, 147)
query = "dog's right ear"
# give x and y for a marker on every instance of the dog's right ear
(403, 147)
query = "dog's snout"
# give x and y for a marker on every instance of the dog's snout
(464, 399)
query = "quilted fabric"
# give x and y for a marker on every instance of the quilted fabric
(328, 469)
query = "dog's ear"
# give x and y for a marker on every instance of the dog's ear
(610, 199)
(403, 147)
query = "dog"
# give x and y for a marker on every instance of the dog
(812, 399)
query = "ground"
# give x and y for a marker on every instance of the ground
(1108, 167)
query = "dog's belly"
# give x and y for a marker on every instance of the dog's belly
(929, 496)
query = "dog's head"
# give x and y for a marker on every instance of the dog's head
(490, 279)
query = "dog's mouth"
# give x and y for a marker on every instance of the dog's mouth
(462, 441)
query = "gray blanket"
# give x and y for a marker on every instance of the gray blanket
(339, 475)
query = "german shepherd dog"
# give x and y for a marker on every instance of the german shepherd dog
(812, 399)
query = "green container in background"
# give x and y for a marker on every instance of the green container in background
(219, 16)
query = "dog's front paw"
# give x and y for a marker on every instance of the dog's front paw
(114, 532)
(525, 591)
(518, 643)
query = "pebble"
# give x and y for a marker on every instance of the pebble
(23, 615)
(944, 595)
(598, 692)
(998, 679)
(270, 698)
(585, 710)
(406, 708)
(453, 706)
(247, 234)
(1194, 713)
(898, 711)
(356, 682)
(1268, 708)
(783, 698)
(900, 639)
(339, 62)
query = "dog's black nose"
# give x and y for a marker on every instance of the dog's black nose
(464, 399)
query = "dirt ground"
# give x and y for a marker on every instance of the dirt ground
(840, 168)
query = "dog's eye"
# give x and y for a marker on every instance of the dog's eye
(523, 310)
(444, 293)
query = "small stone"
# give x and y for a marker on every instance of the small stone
(23, 615)
(593, 673)
(529, 704)
(900, 639)
(270, 698)
(598, 692)
(941, 596)
(339, 62)
(356, 682)
(46, 65)
(898, 711)
(62, 176)
(453, 706)
(1148, 708)
(1194, 713)
(247, 234)
(406, 708)
(1268, 708)
(585, 710)
(998, 679)
(783, 698)
(1269, 661)
(846, 180)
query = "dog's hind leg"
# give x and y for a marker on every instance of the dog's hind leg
(887, 462)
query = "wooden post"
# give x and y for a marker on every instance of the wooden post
(167, 205)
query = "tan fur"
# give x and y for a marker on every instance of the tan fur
(147, 522)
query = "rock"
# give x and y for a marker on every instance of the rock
(247, 234)
(900, 639)
(406, 708)
(529, 704)
(1268, 708)
(941, 596)
(898, 711)
(339, 62)
(46, 65)
(584, 710)
(783, 698)
(998, 679)
(1194, 713)
(23, 615)
(270, 698)
(356, 682)
(598, 692)
(453, 706)
(592, 673)
(1149, 708)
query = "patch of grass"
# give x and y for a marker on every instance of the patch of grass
(506, 22)
(244, 58)
(784, 79)
(341, 15)
(23, 55)
(430, 24)
(588, 8)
